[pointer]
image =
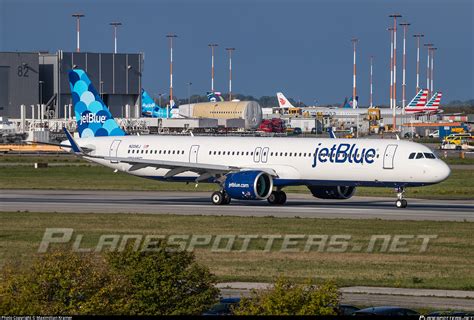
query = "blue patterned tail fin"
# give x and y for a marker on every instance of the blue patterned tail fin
(92, 115)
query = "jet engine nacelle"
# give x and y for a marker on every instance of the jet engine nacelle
(249, 185)
(332, 192)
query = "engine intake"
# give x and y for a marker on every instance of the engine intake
(249, 185)
(332, 192)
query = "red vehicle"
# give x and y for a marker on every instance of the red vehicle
(272, 125)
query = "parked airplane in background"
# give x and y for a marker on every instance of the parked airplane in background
(283, 102)
(250, 168)
(417, 105)
(151, 109)
(215, 96)
(349, 104)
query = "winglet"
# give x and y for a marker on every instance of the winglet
(332, 134)
(75, 147)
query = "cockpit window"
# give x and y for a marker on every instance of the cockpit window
(419, 155)
(412, 155)
(429, 155)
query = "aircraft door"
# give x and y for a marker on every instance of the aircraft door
(193, 154)
(389, 156)
(257, 154)
(114, 149)
(265, 154)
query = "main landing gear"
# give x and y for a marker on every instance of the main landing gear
(220, 198)
(401, 203)
(277, 197)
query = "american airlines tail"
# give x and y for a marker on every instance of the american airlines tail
(434, 103)
(92, 115)
(283, 102)
(417, 104)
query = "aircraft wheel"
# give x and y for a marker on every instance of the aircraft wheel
(401, 203)
(227, 199)
(274, 197)
(282, 198)
(217, 198)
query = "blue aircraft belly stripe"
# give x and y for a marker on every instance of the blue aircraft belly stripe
(301, 182)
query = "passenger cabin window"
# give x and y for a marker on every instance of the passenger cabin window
(412, 155)
(419, 155)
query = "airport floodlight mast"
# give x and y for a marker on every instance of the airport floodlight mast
(371, 81)
(394, 16)
(418, 36)
(391, 66)
(404, 85)
(115, 25)
(171, 36)
(432, 67)
(428, 46)
(78, 17)
(354, 89)
(212, 46)
(230, 71)
(189, 91)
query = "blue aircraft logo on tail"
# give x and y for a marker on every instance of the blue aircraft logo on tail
(92, 115)
(151, 109)
(214, 96)
(350, 103)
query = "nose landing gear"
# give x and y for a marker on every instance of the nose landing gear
(401, 203)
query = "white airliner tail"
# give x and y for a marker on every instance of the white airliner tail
(283, 102)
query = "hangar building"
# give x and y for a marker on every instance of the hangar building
(30, 78)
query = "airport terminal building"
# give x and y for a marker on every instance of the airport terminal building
(30, 78)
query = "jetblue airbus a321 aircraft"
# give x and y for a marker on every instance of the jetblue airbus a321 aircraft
(250, 168)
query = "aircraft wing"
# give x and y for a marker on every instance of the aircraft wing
(205, 171)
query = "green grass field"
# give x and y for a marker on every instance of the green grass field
(460, 185)
(447, 263)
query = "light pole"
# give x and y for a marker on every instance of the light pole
(78, 17)
(432, 68)
(418, 36)
(171, 37)
(394, 120)
(391, 66)
(354, 90)
(212, 46)
(189, 92)
(229, 50)
(428, 46)
(102, 90)
(159, 98)
(115, 25)
(405, 26)
(41, 113)
(371, 81)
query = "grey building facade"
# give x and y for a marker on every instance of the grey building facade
(19, 82)
(116, 76)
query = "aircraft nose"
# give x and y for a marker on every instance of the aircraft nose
(442, 171)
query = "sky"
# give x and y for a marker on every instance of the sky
(302, 48)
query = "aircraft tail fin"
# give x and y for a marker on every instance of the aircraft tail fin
(419, 100)
(435, 100)
(92, 115)
(283, 102)
(351, 103)
(214, 96)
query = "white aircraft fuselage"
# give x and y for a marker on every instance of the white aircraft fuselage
(291, 161)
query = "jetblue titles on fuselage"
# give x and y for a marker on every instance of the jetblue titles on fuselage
(342, 153)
